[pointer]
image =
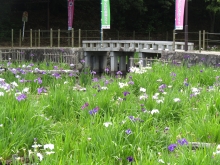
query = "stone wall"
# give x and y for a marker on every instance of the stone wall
(207, 58)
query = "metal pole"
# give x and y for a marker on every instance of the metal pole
(200, 41)
(186, 25)
(203, 40)
(101, 26)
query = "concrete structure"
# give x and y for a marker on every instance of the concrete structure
(120, 52)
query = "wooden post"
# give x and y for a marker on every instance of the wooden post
(20, 38)
(72, 37)
(38, 37)
(58, 37)
(35, 38)
(200, 41)
(203, 40)
(79, 37)
(174, 38)
(51, 38)
(30, 37)
(12, 38)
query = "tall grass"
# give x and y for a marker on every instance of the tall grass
(106, 122)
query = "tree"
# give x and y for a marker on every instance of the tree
(213, 6)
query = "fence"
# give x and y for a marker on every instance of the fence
(73, 38)
(6, 56)
(61, 58)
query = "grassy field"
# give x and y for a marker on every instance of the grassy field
(150, 117)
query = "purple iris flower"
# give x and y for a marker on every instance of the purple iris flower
(83, 61)
(85, 105)
(130, 159)
(39, 80)
(162, 86)
(93, 72)
(131, 82)
(41, 90)
(21, 97)
(106, 82)
(94, 111)
(32, 55)
(106, 70)
(173, 74)
(126, 93)
(128, 131)
(55, 67)
(56, 75)
(182, 142)
(119, 72)
(95, 79)
(172, 147)
(132, 118)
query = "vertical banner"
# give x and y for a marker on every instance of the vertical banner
(179, 14)
(70, 13)
(105, 14)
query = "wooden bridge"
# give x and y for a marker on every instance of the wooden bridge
(121, 51)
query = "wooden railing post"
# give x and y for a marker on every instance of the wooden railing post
(174, 38)
(30, 37)
(58, 37)
(35, 38)
(200, 41)
(79, 37)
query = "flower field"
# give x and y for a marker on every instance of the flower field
(152, 116)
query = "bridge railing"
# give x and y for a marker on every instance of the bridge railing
(134, 45)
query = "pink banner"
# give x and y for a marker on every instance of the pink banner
(70, 13)
(179, 14)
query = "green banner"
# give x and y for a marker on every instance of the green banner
(105, 14)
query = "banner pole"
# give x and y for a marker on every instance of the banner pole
(186, 25)
(101, 30)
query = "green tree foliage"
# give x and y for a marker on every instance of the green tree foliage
(213, 6)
